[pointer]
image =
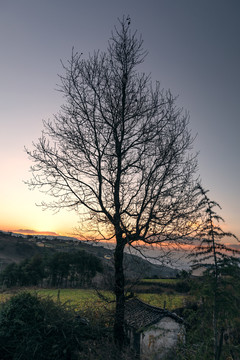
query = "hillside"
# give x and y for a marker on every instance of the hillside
(16, 248)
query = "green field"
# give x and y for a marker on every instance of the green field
(171, 301)
(87, 299)
(160, 281)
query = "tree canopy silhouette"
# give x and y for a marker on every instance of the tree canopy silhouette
(118, 153)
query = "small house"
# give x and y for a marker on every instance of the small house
(153, 332)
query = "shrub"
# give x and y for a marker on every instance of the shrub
(36, 328)
(182, 286)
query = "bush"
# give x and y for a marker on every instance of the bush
(182, 286)
(36, 328)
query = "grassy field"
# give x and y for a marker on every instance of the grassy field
(160, 281)
(171, 301)
(89, 300)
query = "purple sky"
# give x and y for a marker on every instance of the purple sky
(194, 50)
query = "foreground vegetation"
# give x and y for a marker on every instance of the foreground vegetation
(32, 319)
(33, 327)
(195, 306)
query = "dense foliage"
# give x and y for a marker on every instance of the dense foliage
(58, 269)
(34, 328)
(199, 319)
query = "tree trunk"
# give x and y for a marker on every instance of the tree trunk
(220, 344)
(215, 332)
(119, 293)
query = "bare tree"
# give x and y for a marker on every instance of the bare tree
(118, 153)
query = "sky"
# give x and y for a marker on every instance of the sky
(193, 50)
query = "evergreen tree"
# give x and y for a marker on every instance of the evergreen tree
(222, 262)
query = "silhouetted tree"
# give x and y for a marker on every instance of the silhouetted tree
(31, 271)
(57, 269)
(84, 267)
(9, 276)
(221, 260)
(58, 266)
(118, 153)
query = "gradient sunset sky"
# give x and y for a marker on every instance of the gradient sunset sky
(194, 50)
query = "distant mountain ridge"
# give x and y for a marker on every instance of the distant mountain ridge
(14, 247)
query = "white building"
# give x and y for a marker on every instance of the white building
(153, 332)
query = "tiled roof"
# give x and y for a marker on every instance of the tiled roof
(140, 315)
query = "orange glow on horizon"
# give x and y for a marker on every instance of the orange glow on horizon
(164, 245)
